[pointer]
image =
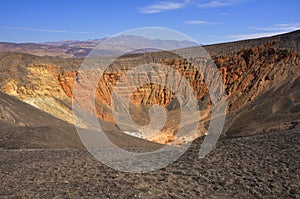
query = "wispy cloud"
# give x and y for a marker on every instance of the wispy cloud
(269, 31)
(198, 22)
(163, 6)
(219, 3)
(214, 4)
(279, 27)
(42, 30)
(255, 35)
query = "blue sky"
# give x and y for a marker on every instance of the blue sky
(206, 21)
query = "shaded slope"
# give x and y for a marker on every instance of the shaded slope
(23, 126)
(274, 110)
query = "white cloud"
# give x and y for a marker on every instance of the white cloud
(198, 22)
(163, 6)
(42, 30)
(214, 4)
(280, 27)
(255, 35)
(219, 3)
(275, 29)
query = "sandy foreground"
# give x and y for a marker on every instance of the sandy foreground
(248, 167)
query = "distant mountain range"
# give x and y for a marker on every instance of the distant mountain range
(71, 49)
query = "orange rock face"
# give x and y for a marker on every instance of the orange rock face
(67, 81)
(246, 74)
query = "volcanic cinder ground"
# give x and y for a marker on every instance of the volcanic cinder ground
(249, 167)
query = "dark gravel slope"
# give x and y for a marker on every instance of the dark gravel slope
(262, 166)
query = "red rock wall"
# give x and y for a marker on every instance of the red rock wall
(246, 75)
